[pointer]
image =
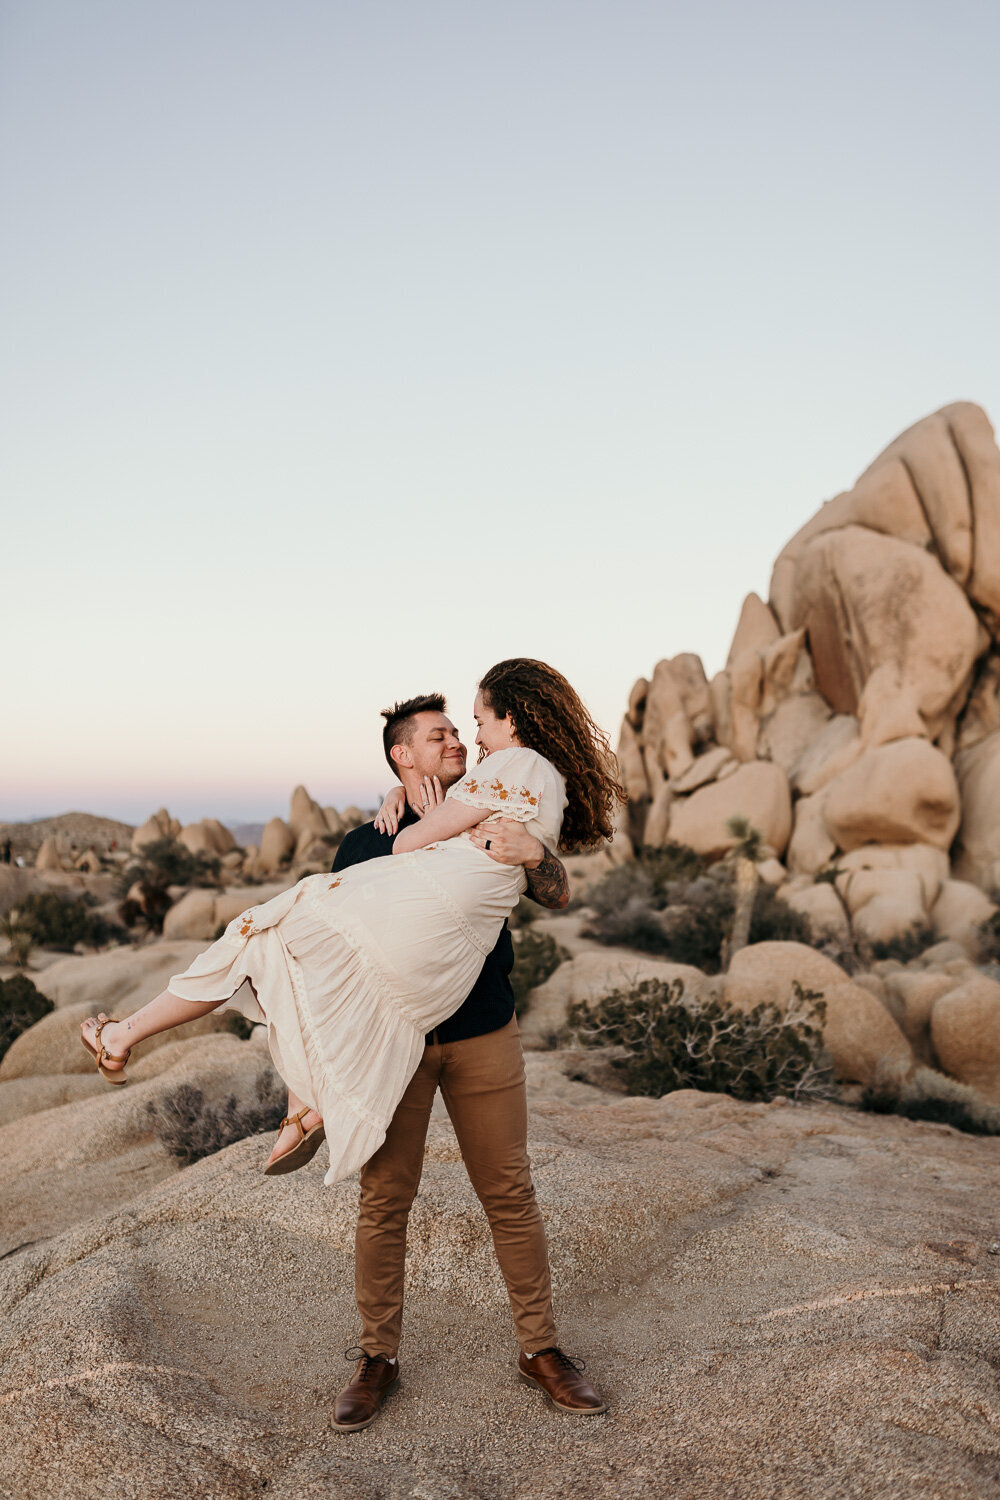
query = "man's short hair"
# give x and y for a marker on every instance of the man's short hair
(399, 722)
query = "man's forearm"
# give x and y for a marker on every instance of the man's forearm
(547, 882)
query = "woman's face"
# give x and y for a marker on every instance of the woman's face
(491, 733)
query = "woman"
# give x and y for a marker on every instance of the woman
(350, 972)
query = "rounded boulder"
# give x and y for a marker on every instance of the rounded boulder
(901, 793)
(859, 1031)
(758, 791)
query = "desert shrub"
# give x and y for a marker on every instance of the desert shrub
(926, 1095)
(159, 865)
(524, 913)
(190, 1128)
(687, 921)
(774, 921)
(620, 886)
(537, 956)
(60, 922)
(21, 1005)
(671, 862)
(167, 862)
(666, 1039)
(905, 947)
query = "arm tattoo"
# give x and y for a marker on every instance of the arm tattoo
(548, 884)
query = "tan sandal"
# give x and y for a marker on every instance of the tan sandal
(304, 1149)
(113, 1075)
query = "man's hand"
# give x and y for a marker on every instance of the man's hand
(512, 844)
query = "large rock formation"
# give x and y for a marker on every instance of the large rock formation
(207, 837)
(160, 826)
(868, 685)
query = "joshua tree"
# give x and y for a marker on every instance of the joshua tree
(745, 854)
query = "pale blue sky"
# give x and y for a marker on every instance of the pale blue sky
(349, 348)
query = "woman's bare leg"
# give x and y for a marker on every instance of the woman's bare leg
(290, 1137)
(161, 1014)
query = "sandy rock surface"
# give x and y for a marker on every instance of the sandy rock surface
(776, 1301)
(53, 1046)
(123, 977)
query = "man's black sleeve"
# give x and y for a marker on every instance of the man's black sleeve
(361, 844)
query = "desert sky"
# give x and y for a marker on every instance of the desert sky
(349, 348)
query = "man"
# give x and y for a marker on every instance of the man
(475, 1059)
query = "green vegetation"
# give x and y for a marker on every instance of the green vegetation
(159, 865)
(665, 1039)
(904, 947)
(167, 862)
(536, 958)
(688, 916)
(60, 922)
(21, 1005)
(190, 1128)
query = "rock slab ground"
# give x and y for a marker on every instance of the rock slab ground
(778, 1301)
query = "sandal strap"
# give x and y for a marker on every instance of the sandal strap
(296, 1120)
(103, 1055)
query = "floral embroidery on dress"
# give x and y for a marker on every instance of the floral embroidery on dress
(498, 790)
(334, 884)
(247, 929)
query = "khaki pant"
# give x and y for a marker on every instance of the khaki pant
(482, 1082)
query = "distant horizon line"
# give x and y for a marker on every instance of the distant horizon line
(133, 822)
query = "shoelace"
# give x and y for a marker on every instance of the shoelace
(368, 1360)
(564, 1359)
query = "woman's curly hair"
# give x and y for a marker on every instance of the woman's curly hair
(548, 716)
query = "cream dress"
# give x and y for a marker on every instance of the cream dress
(351, 971)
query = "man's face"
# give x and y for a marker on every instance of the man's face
(436, 749)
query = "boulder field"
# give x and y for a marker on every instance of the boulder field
(859, 707)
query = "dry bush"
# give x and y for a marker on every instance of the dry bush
(60, 922)
(21, 1005)
(647, 905)
(537, 956)
(665, 1039)
(904, 947)
(190, 1128)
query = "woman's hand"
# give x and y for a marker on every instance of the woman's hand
(388, 816)
(430, 794)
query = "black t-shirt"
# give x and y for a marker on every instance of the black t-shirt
(491, 1003)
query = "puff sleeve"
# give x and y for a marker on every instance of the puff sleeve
(509, 783)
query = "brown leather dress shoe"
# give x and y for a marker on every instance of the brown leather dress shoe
(559, 1380)
(358, 1404)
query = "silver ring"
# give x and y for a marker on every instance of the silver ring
(488, 843)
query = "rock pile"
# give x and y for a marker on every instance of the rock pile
(857, 720)
(309, 835)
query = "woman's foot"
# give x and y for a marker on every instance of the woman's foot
(291, 1138)
(98, 1033)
